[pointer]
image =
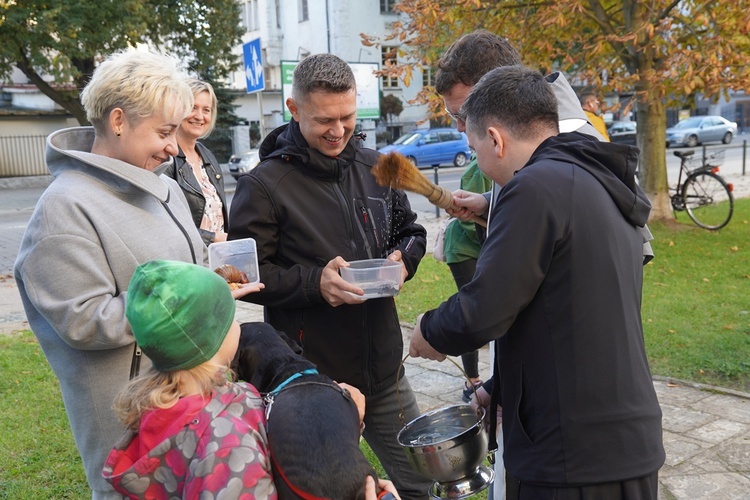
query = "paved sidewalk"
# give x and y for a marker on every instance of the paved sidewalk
(706, 429)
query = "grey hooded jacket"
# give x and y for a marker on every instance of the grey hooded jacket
(97, 221)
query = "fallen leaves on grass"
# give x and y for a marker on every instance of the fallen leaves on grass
(434, 278)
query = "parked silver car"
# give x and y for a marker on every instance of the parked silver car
(623, 132)
(244, 162)
(699, 129)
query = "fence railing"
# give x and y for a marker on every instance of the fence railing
(22, 156)
(715, 154)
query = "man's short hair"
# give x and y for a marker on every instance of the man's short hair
(517, 98)
(325, 72)
(586, 95)
(470, 57)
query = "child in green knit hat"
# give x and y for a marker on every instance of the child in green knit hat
(190, 429)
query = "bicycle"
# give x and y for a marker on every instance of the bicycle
(705, 195)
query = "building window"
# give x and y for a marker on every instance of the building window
(249, 17)
(302, 10)
(387, 60)
(386, 6)
(428, 77)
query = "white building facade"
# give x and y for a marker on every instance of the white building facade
(290, 30)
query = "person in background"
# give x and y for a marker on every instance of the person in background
(191, 431)
(106, 211)
(592, 106)
(313, 205)
(196, 169)
(581, 418)
(461, 248)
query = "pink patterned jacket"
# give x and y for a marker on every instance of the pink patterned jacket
(197, 448)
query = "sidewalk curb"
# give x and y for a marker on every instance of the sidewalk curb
(702, 387)
(34, 181)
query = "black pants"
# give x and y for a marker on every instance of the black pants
(462, 273)
(643, 488)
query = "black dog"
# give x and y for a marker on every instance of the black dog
(313, 424)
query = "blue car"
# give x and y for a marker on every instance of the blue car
(432, 147)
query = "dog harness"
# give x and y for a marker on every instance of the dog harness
(302, 494)
(271, 396)
(309, 371)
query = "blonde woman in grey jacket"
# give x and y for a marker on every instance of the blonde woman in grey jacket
(107, 211)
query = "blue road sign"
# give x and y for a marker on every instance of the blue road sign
(253, 66)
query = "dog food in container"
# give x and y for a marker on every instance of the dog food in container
(241, 254)
(377, 277)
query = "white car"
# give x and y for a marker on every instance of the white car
(243, 163)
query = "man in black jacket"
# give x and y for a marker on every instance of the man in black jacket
(312, 205)
(580, 414)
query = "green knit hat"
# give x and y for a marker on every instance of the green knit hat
(179, 313)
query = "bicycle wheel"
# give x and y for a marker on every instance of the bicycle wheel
(707, 200)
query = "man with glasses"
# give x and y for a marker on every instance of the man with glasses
(465, 62)
(558, 287)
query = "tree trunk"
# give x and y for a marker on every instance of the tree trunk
(652, 125)
(67, 99)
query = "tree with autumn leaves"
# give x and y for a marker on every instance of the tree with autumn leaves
(57, 43)
(663, 51)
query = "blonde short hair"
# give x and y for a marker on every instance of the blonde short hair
(142, 84)
(198, 86)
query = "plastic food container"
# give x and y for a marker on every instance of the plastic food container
(241, 254)
(377, 277)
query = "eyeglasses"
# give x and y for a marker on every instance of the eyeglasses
(455, 118)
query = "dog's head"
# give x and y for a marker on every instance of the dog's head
(266, 357)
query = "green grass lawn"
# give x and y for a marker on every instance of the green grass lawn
(696, 302)
(696, 317)
(39, 457)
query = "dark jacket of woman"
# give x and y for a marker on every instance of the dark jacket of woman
(181, 171)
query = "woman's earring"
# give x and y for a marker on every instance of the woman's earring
(117, 133)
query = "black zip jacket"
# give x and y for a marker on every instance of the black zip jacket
(303, 209)
(180, 171)
(558, 284)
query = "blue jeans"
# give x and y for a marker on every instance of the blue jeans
(382, 424)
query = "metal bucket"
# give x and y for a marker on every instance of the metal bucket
(447, 444)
